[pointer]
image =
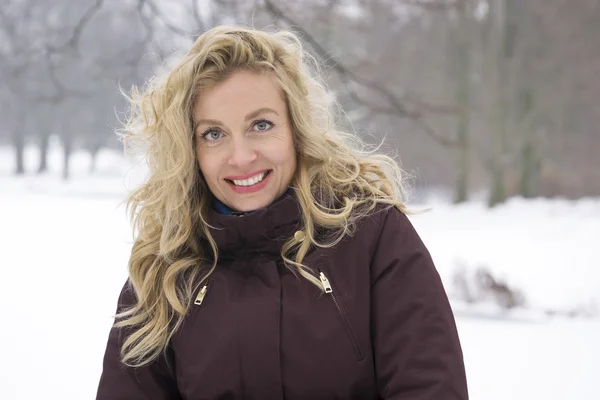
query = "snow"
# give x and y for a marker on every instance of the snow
(65, 247)
(547, 249)
(552, 360)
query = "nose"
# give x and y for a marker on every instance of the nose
(242, 153)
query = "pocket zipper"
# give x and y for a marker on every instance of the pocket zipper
(329, 289)
(201, 295)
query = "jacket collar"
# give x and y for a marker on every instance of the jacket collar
(264, 230)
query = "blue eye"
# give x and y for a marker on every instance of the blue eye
(263, 125)
(211, 134)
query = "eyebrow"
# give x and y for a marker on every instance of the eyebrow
(248, 117)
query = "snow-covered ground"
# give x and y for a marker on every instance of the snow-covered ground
(65, 247)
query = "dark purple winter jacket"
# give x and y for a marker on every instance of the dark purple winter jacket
(383, 329)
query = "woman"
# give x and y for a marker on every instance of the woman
(273, 258)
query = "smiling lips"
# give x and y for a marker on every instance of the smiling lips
(249, 183)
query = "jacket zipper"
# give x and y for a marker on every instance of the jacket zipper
(201, 295)
(329, 290)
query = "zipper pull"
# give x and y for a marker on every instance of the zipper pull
(325, 283)
(201, 294)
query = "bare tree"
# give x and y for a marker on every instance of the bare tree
(66, 59)
(500, 94)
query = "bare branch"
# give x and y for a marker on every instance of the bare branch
(197, 18)
(73, 42)
(398, 107)
(156, 12)
(432, 5)
(130, 56)
(62, 92)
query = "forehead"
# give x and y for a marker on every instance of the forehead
(241, 92)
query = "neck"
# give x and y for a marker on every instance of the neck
(224, 209)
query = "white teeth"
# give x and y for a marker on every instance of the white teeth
(250, 181)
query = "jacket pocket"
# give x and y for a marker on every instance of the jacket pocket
(341, 311)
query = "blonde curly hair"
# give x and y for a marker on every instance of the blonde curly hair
(336, 182)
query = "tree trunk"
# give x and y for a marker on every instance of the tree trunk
(19, 147)
(461, 185)
(499, 56)
(497, 185)
(94, 154)
(44, 144)
(530, 172)
(530, 164)
(67, 150)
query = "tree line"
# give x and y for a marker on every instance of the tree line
(500, 95)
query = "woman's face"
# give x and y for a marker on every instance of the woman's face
(244, 141)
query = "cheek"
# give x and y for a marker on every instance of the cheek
(291, 155)
(282, 152)
(209, 165)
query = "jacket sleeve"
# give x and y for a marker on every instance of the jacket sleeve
(154, 381)
(416, 348)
